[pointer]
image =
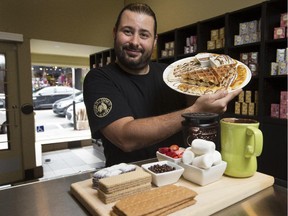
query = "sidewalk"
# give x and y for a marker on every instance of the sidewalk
(61, 135)
(59, 138)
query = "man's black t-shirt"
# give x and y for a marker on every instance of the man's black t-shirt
(111, 93)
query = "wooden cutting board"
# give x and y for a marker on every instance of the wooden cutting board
(211, 198)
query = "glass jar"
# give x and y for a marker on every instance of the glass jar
(200, 126)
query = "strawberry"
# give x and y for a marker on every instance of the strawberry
(164, 150)
(171, 154)
(174, 147)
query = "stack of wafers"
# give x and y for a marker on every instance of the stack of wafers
(160, 201)
(113, 188)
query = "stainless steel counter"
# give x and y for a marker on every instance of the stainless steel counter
(52, 197)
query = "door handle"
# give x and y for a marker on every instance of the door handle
(27, 109)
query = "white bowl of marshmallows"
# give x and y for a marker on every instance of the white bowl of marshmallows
(202, 163)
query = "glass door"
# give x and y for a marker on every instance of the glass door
(17, 152)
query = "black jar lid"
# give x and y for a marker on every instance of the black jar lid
(200, 117)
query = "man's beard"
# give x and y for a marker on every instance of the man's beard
(122, 57)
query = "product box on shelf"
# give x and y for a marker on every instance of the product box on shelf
(164, 53)
(167, 46)
(279, 32)
(216, 39)
(283, 19)
(244, 58)
(284, 97)
(283, 105)
(253, 57)
(248, 96)
(251, 109)
(283, 111)
(280, 55)
(191, 44)
(241, 96)
(237, 108)
(248, 33)
(211, 45)
(238, 40)
(275, 110)
(253, 26)
(282, 68)
(243, 28)
(193, 39)
(186, 49)
(247, 103)
(244, 108)
(214, 34)
(171, 45)
(219, 43)
(254, 68)
(171, 52)
(222, 33)
(169, 49)
(274, 68)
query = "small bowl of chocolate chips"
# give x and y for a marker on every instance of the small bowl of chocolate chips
(163, 172)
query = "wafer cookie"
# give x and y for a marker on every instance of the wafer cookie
(112, 197)
(131, 179)
(155, 202)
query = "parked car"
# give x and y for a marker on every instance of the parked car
(3, 123)
(60, 106)
(69, 112)
(45, 97)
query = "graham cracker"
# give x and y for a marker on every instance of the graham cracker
(112, 197)
(126, 180)
(156, 202)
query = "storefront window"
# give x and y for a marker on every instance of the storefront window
(54, 91)
(3, 125)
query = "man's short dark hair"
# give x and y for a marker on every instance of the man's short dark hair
(138, 8)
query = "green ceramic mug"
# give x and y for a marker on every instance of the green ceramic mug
(241, 143)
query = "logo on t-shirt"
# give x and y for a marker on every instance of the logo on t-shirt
(102, 107)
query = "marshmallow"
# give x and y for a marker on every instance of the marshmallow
(217, 158)
(204, 161)
(201, 146)
(188, 156)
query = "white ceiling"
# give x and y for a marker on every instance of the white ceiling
(64, 49)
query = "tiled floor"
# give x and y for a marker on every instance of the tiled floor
(71, 161)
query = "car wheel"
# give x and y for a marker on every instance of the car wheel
(3, 129)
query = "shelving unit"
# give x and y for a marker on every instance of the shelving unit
(273, 159)
(102, 58)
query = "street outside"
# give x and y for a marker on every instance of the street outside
(50, 121)
(50, 128)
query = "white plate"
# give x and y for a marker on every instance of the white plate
(173, 82)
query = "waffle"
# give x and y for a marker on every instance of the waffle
(185, 68)
(160, 201)
(201, 77)
(198, 80)
(225, 74)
